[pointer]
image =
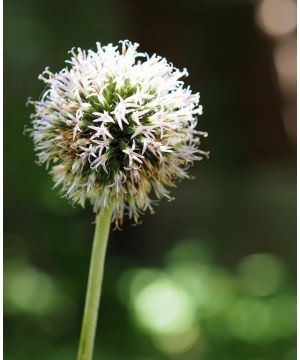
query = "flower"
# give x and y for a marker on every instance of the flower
(116, 125)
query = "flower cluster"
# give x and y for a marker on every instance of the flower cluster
(115, 126)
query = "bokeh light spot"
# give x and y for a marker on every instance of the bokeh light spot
(210, 288)
(277, 17)
(179, 343)
(27, 290)
(261, 274)
(284, 315)
(190, 250)
(250, 320)
(163, 307)
(285, 58)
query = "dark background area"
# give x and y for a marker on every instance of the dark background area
(209, 276)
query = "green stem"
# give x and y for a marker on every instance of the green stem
(89, 323)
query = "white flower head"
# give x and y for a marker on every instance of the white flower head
(116, 125)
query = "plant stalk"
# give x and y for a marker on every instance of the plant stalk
(90, 315)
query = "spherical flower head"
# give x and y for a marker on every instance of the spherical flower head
(116, 125)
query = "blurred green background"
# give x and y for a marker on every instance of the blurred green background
(210, 276)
